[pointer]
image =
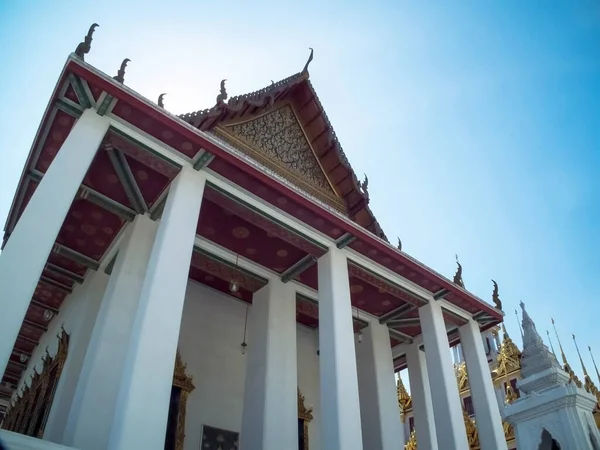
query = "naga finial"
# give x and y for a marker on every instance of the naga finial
(399, 244)
(496, 297)
(310, 58)
(160, 100)
(222, 94)
(458, 275)
(364, 186)
(121, 73)
(84, 47)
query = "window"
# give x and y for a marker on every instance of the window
(469, 405)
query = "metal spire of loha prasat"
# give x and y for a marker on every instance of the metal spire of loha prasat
(567, 368)
(588, 383)
(594, 361)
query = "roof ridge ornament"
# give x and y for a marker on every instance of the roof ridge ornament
(161, 101)
(399, 244)
(496, 297)
(458, 275)
(310, 58)
(120, 77)
(85, 46)
(364, 187)
(222, 94)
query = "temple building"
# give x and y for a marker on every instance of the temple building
(217, 280)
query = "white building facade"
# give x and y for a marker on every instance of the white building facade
(217, 280)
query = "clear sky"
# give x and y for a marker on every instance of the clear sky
(478, 123)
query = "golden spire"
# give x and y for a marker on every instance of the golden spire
(567, 368)
(509, 356)
(550, 341)
(412, 441)
(404, 400)
(595, 367)
(588, 383)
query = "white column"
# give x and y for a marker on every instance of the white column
(449, 424)
(98, 385)
(379, 412)
(421, 398)
(340, 408)
(270, 414)
(140, 418)
(95, 287)
(23, 258)
(487, 414)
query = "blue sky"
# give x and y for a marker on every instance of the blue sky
(478, 123)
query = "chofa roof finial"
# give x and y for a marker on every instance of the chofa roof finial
(458, 275)
(399, 244)
(84, 47)
(160, 100)
(496, 297)
(120, 77)
(310, 58)
(222, 94)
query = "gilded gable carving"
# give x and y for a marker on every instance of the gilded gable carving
(277, 140)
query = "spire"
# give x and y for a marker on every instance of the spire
(509, 356)
(519, 322)
(404, 400)
(535, 357)
(588, 383)
(567, 368)
(458, 275)
(550, 341)
(595, 367)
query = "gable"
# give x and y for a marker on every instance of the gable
(276, 139)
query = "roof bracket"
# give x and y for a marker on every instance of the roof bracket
(298, 268)
(127, 179)
(345, 241)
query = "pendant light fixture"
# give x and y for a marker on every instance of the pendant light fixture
(244, 345)
(360, 335)
(234, 286)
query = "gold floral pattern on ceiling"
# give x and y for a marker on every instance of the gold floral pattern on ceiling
(279, 137)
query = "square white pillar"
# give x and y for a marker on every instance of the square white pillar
(379, 412)
(421, 398)
(270, 414)
(24, 256)
(90, 417)
(94, 286)
(447, 410)
(140, 417)
(485, 404)
(340, 408)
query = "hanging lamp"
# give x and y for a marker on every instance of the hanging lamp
(234, 286)
(244, 345)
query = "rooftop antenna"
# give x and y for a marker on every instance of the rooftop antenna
(595, 367)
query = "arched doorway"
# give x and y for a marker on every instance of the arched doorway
(548, 442)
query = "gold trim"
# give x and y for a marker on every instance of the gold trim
(34, 404)
(306, 415)
(279, 106)
(237, 141)
(183, 381)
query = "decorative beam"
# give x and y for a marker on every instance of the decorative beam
(105, 103)
(58, 285)
(456, 318)
(132, 190)
(401, 336)
(75, 256)
(404, 322)
(202, 159)
(35, 325)
(18, 352)
(44, 307)
(27, 339)
(109, 267)
(439, 295)
(401, 310)
(298, 268)
(64, 273)
(159, 205)
(95, 197)
(345, 240)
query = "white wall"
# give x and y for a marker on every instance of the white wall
(212, 330)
